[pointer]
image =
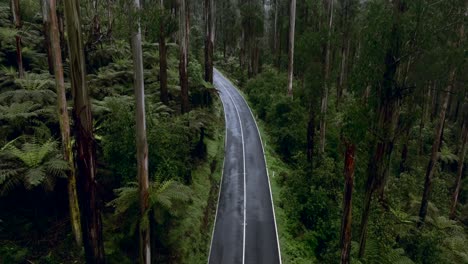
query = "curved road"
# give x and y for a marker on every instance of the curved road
(245, 225)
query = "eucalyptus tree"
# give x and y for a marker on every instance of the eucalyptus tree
(209, 39)
(292, 27)
(50, 15)
(183, 54)
(141, 141)
(326, 81)
(85, 143)
(438, 133)
(162, 56)
(15, 11)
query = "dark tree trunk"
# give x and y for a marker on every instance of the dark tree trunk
(434, 153)
(461, 162)
(310, 136)
(85, 144)
(163, 60)
(345, 240)
(387, 116)
(49, 14)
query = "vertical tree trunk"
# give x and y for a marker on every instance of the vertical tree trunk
(142, 145)
(163, 59)
(49, 14)
(275, 29)
(292, 28)
(209, 40)
(387, 116)
(461, 162)
(345, 240)
(83, 126)
(326, 81)
(438, 136)
(435, 152)
(15, 10)
(345, 47)
(46, 28)
(183, 53)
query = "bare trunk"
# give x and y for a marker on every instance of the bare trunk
(183, 53)
(50, 15)
(141, 142)
(15, 10)
(292, 28)
(163, 60)
(326, 81)
(345, 47)
(345, 240)
(387, 116)
(209, 40)
(461, 161)
(438, 134)
(434, 153)
(46, 28)
(85, 148)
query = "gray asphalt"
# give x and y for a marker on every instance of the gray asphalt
(245, 229)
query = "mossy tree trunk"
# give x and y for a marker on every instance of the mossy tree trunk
(85, 144)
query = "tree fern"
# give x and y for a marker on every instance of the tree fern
(164, 198)
(33, 164)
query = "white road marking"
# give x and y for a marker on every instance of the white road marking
(266, 168)
(220, 182)
(243, 157)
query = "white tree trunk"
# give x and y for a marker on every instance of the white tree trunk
(142, 145)
(292, 27)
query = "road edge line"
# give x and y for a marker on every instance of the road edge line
(266, 167)
(221, 180)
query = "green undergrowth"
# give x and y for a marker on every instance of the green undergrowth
(196, 228)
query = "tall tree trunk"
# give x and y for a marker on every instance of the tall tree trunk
(275, 29)
(345, 240)
(461, 162)
(438, 134)
(209, 40)
(46, 28)
(310, 135)
(387, 116)
(435, 152)
(83, 126)
(326, 81)
(142, 145)
(15, 10)
(292, 28)
(49, 13)
(183, 53)
(345, 47)
(163, 59)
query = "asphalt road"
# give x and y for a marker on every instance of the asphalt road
(245, 229)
